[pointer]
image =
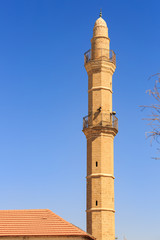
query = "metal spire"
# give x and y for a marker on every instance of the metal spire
(100, 15)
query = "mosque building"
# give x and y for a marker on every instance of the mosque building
(100, 127)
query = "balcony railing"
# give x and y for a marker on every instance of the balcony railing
(100, 53)
(100, 119)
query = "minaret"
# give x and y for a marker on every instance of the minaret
(100, 128)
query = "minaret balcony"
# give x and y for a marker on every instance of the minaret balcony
(100, 54)
(100, 120)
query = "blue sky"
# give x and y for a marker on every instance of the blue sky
(43, 98)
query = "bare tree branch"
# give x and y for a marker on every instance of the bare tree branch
(153, 118)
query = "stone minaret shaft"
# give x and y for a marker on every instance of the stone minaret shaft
(100, 127)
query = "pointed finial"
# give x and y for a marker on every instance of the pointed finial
(100, 15)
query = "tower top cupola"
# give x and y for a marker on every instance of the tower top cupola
(100, 28)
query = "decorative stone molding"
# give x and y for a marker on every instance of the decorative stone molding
(100, 87)
(100, 209)
(95, 175)
(99, 131)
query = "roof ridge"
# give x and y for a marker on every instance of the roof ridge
(62, 219)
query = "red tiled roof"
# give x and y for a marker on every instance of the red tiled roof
(40, 222)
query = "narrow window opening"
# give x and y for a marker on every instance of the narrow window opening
(96, 203)
(96, 164)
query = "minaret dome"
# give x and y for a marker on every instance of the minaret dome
(100, 28)
(100, 41)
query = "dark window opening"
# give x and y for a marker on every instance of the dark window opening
(96, 203)
(96, 164)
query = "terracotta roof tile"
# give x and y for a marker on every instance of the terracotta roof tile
(39, 222)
